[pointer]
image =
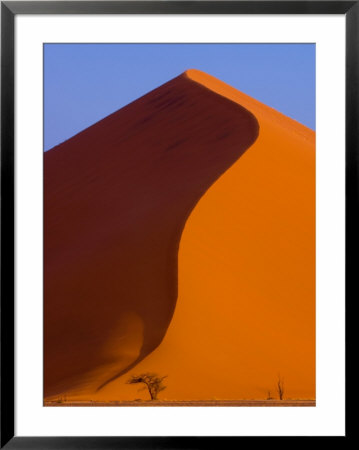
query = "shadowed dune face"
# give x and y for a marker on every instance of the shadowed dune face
(116, 199)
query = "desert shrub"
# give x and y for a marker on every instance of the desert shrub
(152, 382)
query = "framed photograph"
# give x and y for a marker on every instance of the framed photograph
(179, 224)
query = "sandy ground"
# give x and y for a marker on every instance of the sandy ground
(191, 403)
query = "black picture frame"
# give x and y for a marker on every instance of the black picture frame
(9, 9)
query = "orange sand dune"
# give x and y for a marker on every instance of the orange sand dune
(117, 197)
(246, 306)
(246, 274)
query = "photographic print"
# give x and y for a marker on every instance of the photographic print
(179, 224)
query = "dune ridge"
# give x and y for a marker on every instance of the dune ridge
(266, 113)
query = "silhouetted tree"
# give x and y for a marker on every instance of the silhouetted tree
(280, 387)
(151, 381)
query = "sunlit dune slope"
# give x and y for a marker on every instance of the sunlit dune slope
(246, 306)
(116, 199)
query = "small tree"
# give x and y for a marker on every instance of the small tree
(151, 381)
(280, 387)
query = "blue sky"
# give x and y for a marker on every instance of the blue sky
(84, 83)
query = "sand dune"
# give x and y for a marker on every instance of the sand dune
(246, 263)
(246, 301)
(116, 200)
